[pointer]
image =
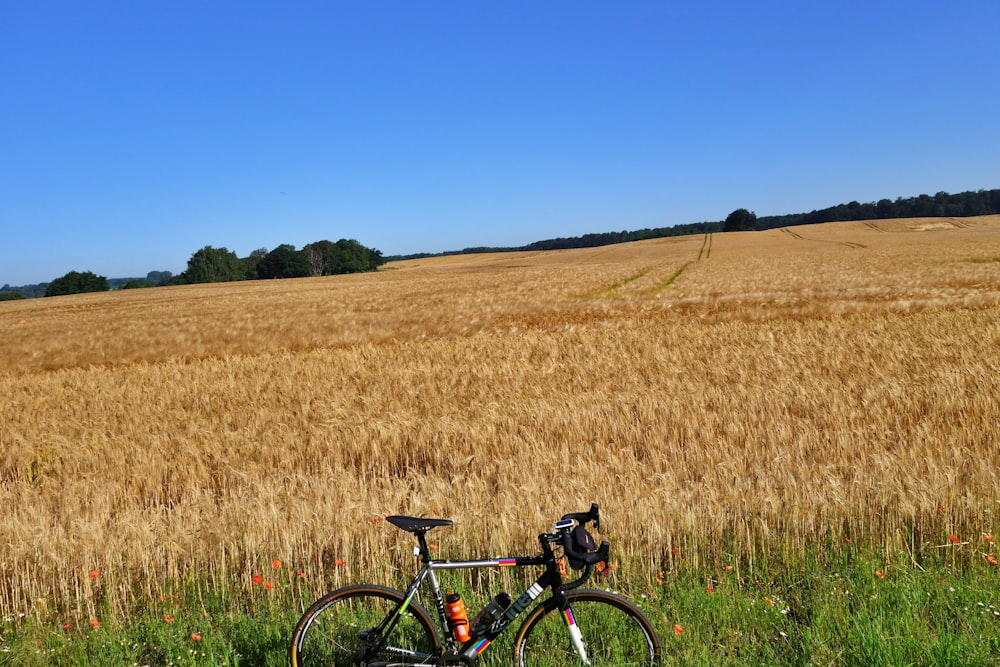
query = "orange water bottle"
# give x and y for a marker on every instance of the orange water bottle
(458, 617)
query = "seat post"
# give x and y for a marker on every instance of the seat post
(425, 553)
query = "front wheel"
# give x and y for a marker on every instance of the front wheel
(609, 629)
(362, 624)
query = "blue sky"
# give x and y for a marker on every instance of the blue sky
(133, 133)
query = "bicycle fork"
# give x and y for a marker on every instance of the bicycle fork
(575, 635)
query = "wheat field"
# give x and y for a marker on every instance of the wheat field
(720, 395)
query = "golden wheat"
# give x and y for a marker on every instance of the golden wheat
(712, 392)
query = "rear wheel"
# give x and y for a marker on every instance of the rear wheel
(342, 628)
(612, 630)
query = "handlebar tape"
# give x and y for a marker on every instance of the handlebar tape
(589, 558)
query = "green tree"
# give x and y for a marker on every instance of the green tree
(213, 265)
(75, 282)
(251, 262)
(159, 277)
(885, 208)
(344, 256)
(352, 257)
(975, 206)
(11, 296)
(321, 256)
(283, 262)
(740, 220)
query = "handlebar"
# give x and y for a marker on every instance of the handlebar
(587, 557)
(586, 517)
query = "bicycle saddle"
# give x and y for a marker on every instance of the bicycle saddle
(414, 524)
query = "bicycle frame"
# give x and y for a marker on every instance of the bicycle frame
(550, 579)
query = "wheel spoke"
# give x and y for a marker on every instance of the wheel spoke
(342, 629)
(613, 632)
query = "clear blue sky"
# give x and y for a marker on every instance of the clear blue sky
(133, 133)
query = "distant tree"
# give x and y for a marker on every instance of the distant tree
(213, 265)
(283, 262)
(994, 198)
(927, 207)
(251, 262)
(344, 256)
(136, 283)
(27, 291)
(351, 257)
(975, 206)
(885, 209)
(75, 282)
(322, 255)
(8, 295)
(159, 277)
(740, 220)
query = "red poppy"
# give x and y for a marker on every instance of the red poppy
(678, 629)
(991, 559)
(168, 618)
(268, 586)
(94, 574)
(879, 574)
(276, 564)
(257, 579)
(196, 636)
(94, 623)
(954, 539)
(339, 562)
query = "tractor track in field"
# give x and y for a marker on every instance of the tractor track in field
(799, 237)
(706, 246)
(617, 288)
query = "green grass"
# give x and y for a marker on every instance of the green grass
(845, 607)
(864, 611)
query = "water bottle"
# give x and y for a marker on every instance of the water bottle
(458, 618)
(491, 613)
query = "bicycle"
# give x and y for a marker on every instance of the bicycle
(368, 625)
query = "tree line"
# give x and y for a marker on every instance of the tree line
(322, 258)
(965, 204)
(216, 265)
(962, 205)
(348, 256)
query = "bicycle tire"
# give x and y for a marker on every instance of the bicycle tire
(330, 631)
(614, 632)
